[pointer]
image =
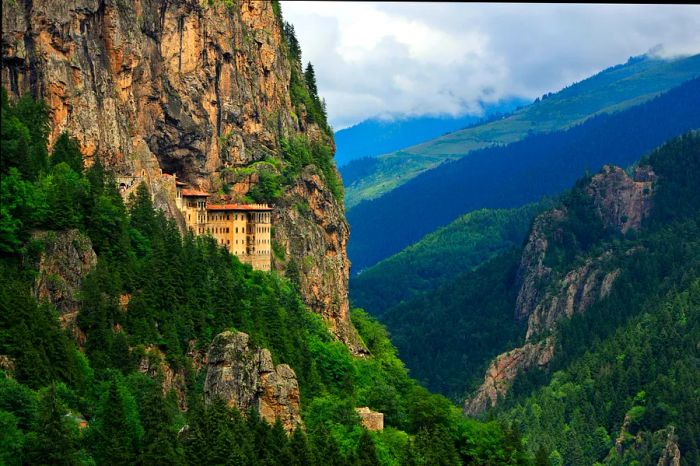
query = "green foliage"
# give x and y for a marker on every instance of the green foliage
(66, 150)
(24, 133)
(154, 292)
(298, 153)
(611, 90)
(631, 356)
(441, 256)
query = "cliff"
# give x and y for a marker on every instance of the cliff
(549, 292)
(185, 87)
(246, 378)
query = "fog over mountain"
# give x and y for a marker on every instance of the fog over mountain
(413, 59)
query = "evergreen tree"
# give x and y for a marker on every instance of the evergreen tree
(66, 150)
(542, 458)
(302, 454)
(118, 430)
(56, 440)
(310, 78)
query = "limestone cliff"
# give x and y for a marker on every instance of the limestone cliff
(546, 296)
(246, 378)
(186, 87)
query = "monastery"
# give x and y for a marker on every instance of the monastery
(244, 229)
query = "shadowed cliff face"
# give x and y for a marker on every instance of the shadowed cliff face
(188, 88)
(547, 296)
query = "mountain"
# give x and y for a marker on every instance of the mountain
(503, 177)
(203, 90)
(596, 316)
(617, 296)
(442, 255)
(126, 339)
(611, 90)
(376, 136)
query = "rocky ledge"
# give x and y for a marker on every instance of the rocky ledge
(245, 378)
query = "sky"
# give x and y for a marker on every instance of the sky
(392, 60)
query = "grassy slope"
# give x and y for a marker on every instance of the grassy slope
(609, 91)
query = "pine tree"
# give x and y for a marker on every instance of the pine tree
(310, 78)
(116, 433)
(302, 453)
(66, 150)
(56, 442)
(542, 458)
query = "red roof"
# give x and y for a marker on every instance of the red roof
(194, 192)
(256, 207)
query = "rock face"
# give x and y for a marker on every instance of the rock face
(504, 369)
(153, 364)
(319, 237)
(671, 454)
(66, 258)
(190, 87)
(544, 296)
(370, 420)
(246, 378)
(622, 202)
(579, 288)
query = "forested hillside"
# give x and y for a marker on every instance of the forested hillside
(611, 90)
(441, 256)
(107, 315)
(612, 308)
(622, 386)
(502, 177)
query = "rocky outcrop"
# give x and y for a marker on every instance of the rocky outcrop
(504, 369)
(65, 259)
(318, 235)
(246, 377)
(546, 296)
(7, 365)
(579, 288)
(370, 420)
(671, 454)
(153, 364)
(532, 273)
(622, 201)
(186, 87)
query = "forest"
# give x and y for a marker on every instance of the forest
(442, 255)
(624, 376)
(69, 398)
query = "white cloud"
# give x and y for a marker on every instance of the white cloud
(382, 59)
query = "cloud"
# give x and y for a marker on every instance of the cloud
(407, 59)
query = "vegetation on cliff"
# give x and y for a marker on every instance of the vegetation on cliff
(621, 381)
(78, 395)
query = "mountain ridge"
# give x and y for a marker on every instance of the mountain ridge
(651, 76)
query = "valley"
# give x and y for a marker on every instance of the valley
(197, 269)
